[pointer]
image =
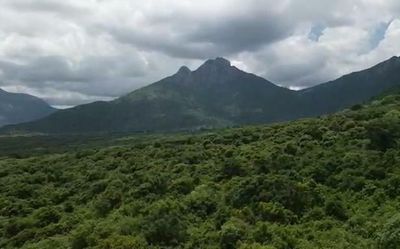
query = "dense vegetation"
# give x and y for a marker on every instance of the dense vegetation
(22, 146)
(215, 95)
(332, 182)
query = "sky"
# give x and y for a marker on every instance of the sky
(72, 52)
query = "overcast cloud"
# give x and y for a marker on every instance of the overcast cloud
(72, 52)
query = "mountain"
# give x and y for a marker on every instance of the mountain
(217, 94)
(18, 108)
(353, 88)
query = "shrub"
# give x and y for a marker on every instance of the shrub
(163, 224)
(123, 242)
(47, 215)
(336, 209)
(231, 232)
(389, 237)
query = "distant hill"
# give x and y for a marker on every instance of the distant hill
(353, 88)
(18, 108)
(217, 94)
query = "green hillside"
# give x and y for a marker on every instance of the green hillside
(332, 182)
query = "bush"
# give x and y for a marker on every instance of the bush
(163, 224)
(275, 212)
(336, 209)
(123, 242)
(107, 201)
(202, 200)
(231, 167)
(231, 232)
(47, 215)
(389, 237)
(81, 237)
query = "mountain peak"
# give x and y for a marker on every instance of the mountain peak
(218, 63)
(395, 58)
(182, 75)
(222, 61)
(390, 64)
(184, 70)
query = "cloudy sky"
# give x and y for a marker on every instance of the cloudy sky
(72, 51)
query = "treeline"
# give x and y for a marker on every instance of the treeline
(332, 182)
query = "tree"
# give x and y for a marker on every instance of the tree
(107, 201)
(203, 200)
(231, 232)
(163, 224)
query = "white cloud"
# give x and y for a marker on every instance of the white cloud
(71, 52)
(299, 61)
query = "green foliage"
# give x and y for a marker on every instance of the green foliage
(122, 242)
(331, 182)
(107, 201)
(231, 232)
(46, 215)
(336, 209)
(389, 238)
(203, 200)
(163, 224)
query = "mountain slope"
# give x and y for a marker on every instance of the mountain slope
(216, 95)
(353, 88)
(18, 108)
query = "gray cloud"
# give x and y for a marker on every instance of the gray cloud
(200, 37)
(92, 75)
(67, 8)
(72, 52)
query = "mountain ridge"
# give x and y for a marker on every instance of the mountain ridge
(214, 95)
(355, 87)
(19, 107)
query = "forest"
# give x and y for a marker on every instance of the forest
(327, 182)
